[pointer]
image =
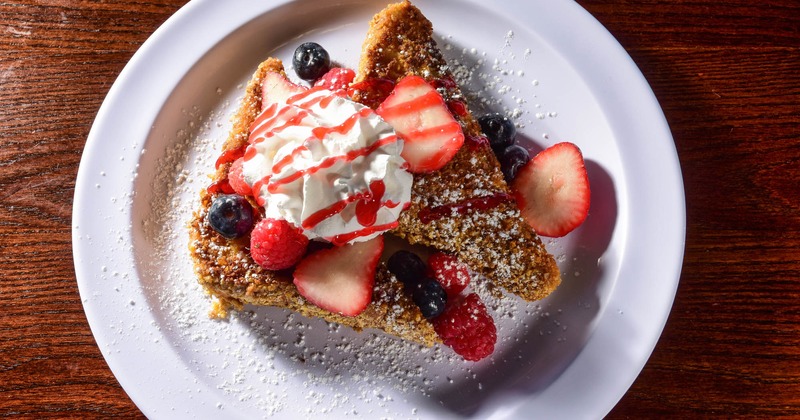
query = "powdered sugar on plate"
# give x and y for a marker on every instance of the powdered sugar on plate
(149, 316)
(267, 357)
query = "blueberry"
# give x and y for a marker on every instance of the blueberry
(231, 216)
(311, 61)
(500, 131)
(512, 160)
(431, 298)
(407, 266)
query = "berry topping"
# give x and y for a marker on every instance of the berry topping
(236, 180)
(467, 328)
(407, 266)
(340, 279)
(445, 84)
(457, 108)
(451, 273)
(500, 131)
(431, 298)
(419, 114)
(311, 61)
(276, 244)
(276, 89)
(231, 216)
(336, 78)
(372, 92)
(553, 190)
(512, 159)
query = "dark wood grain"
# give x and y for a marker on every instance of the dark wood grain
(57, 61)
(727, 74)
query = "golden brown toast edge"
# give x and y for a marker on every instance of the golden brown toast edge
(225, 269)
(498, 243)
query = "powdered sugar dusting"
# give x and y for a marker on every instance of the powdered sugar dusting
(497, 81)
(270, 362)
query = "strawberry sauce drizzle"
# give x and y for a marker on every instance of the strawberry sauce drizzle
(475, 143)
(430, 214)
(222, 186)
(343, 239)
(322, 100)
(273, 186)
(257, 188)
(343, 128)
(229, 156)
(266, 114)
(457, 107)
(266, 129)
(368, 203)
(367, 208)
(374, 91)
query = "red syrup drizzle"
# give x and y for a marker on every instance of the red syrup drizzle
(367, 208)
(457, 107)
(265, 114)
(344, 238)
(430, 214)
(475, 143)
(375, 90)
(221, 186)
(447, 83)
(273, 186)
(229, 156)
(367, 205)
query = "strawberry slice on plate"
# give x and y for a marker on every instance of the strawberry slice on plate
(276, 89)
(419, 114)
(552, 190)
(340, 279)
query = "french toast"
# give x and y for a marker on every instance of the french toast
(491, 237)
(464, 208)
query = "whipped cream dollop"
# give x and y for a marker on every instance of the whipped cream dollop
(328, 165)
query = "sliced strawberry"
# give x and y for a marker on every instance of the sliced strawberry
(276, 89)
(340, 279)
(336, 78)
(419, 114)
(553, 190)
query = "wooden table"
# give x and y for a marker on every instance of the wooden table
(727, 74)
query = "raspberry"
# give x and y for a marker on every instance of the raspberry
(467, 328)
(276, 244)
(236, 180)
(336, 78)
(450, 272)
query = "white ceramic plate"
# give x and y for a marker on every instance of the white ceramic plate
(549, 64)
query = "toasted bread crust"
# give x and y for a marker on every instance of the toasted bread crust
(496, 242)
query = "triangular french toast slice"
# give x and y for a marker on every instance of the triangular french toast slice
(466, 207)
(226, 269)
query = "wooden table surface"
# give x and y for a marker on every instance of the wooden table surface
(727, 74)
